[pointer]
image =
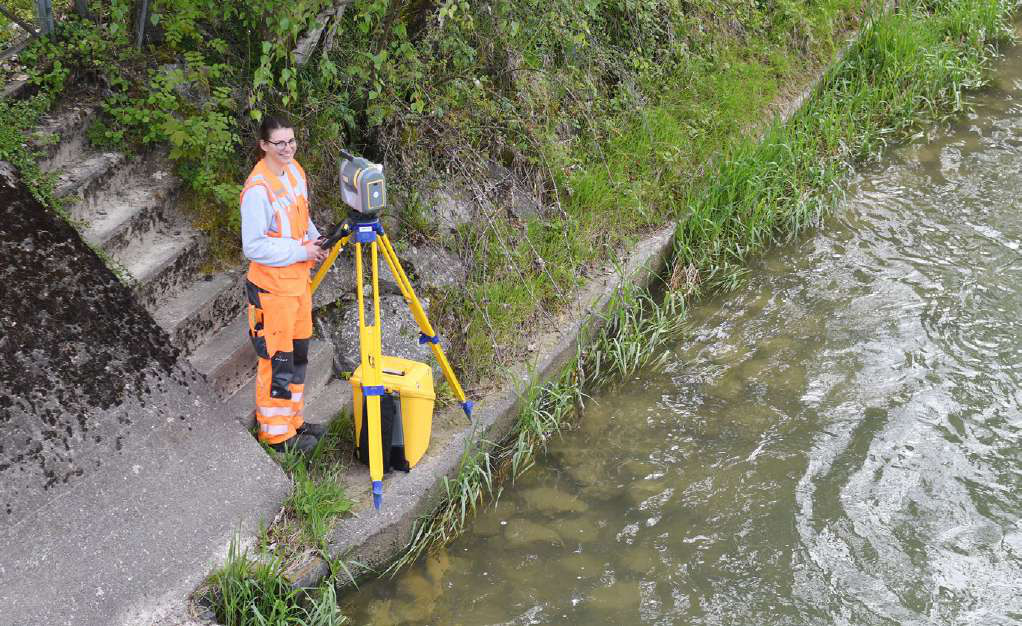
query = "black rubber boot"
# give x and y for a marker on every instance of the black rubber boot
(299, 443)
(316, 430)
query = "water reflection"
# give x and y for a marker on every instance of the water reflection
(837, 443)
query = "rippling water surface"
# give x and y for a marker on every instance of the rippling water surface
(836, 443)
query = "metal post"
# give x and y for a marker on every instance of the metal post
(44, 15)
(143, 17)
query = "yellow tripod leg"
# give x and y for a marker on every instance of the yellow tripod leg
(321, 273)
(428, 334)
(372, 373)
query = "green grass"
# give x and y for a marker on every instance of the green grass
(644, 164)
(906, 69)
(315, 502)
(637, 324)
(317, 498)
(247, 592)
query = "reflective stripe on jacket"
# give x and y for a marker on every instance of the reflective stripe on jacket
(291, 220)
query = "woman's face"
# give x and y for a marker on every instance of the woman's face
(281, 147)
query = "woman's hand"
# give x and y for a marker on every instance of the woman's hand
(313, 252)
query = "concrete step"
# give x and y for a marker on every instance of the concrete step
(61, 134)
(163, 261)
(203, 307)
(120, 196)
(227, 358)
(241, 402)
(14, 89)
(115, 217)
(127, 207)
(324, 406)
(85, 176)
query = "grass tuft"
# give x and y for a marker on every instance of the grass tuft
(635, 326)
(246, 592)
(317, 498)
(315, 502)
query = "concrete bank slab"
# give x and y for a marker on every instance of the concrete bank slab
(131, 540)
(121, 480)
(375, 538)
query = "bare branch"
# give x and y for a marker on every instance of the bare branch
(307, 44)
(14, 18)
(328, 45)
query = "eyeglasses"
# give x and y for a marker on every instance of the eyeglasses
(284, 143)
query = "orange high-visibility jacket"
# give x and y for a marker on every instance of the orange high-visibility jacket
(291, 220)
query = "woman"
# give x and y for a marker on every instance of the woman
(279, 239)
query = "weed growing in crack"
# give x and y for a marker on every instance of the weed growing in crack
(317, 497)
(255, 592)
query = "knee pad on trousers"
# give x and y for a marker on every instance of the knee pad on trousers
(283, 366)
(301, 360)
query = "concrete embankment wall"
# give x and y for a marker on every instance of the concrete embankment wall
(120, 482)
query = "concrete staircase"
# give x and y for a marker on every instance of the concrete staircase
(126, 209)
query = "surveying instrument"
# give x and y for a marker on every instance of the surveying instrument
(364, 190)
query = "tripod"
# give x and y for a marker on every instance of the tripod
(370, 231)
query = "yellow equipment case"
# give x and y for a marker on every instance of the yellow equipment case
(412, 421)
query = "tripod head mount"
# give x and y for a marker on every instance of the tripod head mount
(363, 227)
(334, 234)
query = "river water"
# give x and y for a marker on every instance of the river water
(838, 442)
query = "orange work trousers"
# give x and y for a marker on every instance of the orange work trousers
(280, 328)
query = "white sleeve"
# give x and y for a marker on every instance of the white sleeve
(256, 218)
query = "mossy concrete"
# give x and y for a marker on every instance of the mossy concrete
(121, 481)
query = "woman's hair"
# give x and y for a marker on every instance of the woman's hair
(269, 124)
(272, 123)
